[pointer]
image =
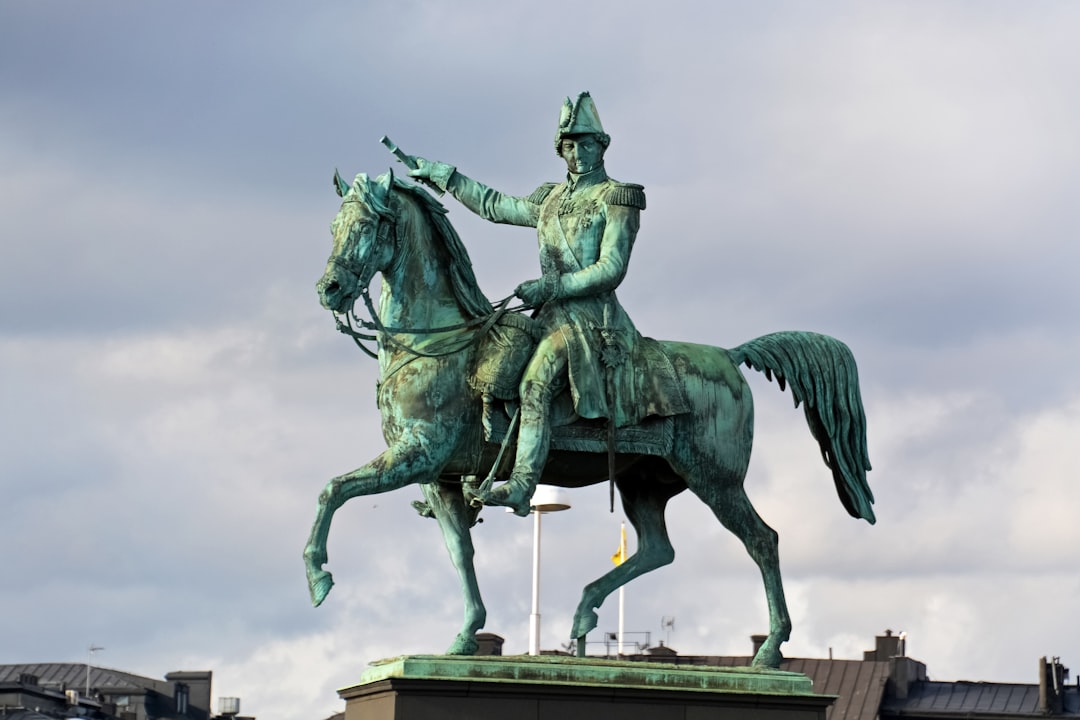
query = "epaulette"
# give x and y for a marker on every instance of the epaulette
(540, 194)
(627, 194)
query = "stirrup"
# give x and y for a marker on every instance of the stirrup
(475, 494)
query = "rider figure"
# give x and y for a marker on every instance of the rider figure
(586, 228)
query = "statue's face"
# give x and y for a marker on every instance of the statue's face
(582, 153)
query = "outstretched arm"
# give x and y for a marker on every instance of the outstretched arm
(484, 201)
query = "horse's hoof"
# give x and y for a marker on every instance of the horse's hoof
(583, 623)
(768, 656)
(319, 583)
(463, 645)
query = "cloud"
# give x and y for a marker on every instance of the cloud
(173, 399)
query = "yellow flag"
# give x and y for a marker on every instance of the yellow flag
(620, 555)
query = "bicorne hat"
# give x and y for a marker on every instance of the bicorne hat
(580, 118)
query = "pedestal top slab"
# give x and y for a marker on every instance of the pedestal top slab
(548, 669)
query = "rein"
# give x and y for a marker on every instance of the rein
(358, 338)
(486, 323)
(386, 334)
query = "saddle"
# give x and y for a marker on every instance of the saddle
(502, 356)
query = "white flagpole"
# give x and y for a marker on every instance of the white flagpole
(622, 590)
(534, 618)
(622, 616)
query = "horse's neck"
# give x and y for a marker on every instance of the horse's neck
(416, 286)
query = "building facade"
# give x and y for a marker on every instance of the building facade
(53, 690)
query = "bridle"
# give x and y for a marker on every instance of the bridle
(345, 261)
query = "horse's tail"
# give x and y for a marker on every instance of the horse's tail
(822, 374)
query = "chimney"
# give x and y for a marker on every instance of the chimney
(228, 707)
(198, 684)
(887, 646)
(1052, 676)
(758, 641)
(489, 644)
(661, 651)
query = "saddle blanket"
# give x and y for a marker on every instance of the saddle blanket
(653, 436)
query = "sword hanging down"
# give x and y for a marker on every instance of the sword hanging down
(610, 357)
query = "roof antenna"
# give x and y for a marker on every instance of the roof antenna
(89, 659)
(667, 624)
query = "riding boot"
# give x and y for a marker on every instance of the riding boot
(534, 437)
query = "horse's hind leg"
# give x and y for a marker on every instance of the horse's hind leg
(455, 518)
(644, 499)
(733, 509)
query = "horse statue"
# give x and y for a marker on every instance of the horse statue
(430, 317)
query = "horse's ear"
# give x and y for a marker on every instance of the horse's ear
(340, 186)
(385, 183)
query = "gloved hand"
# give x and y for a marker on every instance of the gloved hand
(434, 174)
(423, 167)
(537, 292)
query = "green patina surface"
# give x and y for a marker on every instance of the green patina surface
(548, 669)
(448, 358)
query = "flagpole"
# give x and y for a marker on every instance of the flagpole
(546, 499)
(622, 617)
(622, 588)
(534, 618)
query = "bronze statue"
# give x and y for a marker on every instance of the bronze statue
(586, 228)
(683, 421)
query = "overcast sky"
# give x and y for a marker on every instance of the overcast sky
(901, 175)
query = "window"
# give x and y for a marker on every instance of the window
(181, 698)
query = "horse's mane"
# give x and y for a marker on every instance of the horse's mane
(462, 279)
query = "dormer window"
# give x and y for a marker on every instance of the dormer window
(181, 699)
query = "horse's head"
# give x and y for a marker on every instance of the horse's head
(363, 240)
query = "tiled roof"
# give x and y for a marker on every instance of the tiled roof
(858, 684)
(972, 698)
(73, 676)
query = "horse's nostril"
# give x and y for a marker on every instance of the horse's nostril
(331, 288)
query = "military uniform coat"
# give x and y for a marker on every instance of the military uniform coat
(586, 229)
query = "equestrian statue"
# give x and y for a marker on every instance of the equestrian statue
(577, 393)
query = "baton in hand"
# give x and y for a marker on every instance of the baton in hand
(408, 162)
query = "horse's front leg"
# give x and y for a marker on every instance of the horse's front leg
(447, 502)
(410, 460)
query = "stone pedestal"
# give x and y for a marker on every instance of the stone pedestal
(438, 687)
